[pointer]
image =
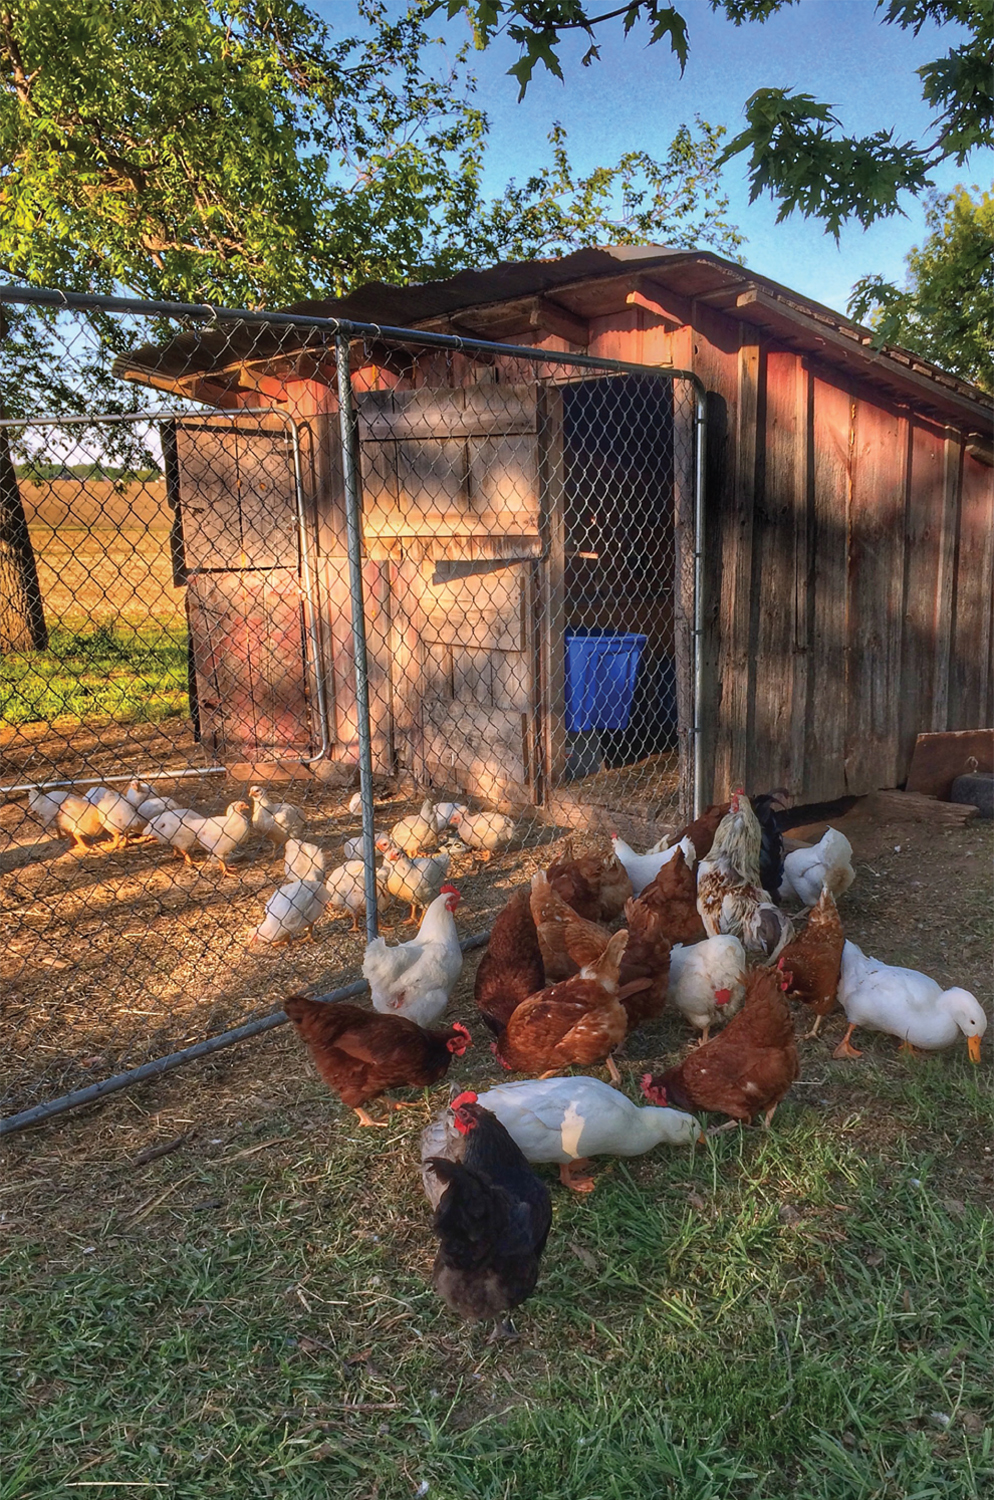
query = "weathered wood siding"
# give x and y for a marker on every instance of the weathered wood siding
(853, 541)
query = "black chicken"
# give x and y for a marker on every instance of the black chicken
(492, 1213)
(771, 849)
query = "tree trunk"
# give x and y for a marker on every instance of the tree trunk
(22, 613)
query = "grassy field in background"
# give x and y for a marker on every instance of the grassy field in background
(117, 629)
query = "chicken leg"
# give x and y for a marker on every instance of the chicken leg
(569, 1178)
(612, 1070)
(365, 1119)
(702, 1039)
(815, 1028)
(845, 1047)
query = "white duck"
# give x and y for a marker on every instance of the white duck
(296, 906)
(829, 863)
(568, 1120)
(905, 1004)
(707, 981)
(642, 869)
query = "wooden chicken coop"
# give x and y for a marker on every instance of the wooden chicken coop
(848, 541)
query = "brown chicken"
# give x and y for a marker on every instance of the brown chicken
(596, 886)
(746, 1069)
(815, 960)
(644, 974)
(511, 969)
(702, 830)
(360, 1053)
(673, 894)
(579, 1021)
(552, 916)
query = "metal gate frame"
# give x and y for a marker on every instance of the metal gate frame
(341, 333)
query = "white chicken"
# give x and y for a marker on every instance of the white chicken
(221, 836)
(72, 815)
(486, 831)
(147, 805)
(569, 1120)
(276, 821)
(416, 834)
(829, 863)
(304, 861)
(347, 889)
(905, 1004)
(355, 804)
(707, 981)
(176, 826)
(295, 907)
(416, 881)
(443, 813)
(119, 817)
(415, 979)
(642, 869)
(355, 848)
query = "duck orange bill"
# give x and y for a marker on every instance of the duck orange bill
(973, 1047)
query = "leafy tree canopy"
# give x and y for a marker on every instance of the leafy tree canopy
(240, 152)
(945, 310)
(798, 153)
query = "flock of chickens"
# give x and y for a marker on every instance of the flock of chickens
(412, 871)
(703, 932)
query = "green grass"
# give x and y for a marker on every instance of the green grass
(124, 673)
(802, 1313)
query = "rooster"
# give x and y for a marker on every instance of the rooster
(579, 1021)
(415, 979)
(771, 854)
(360, 1054)
(815, 960)
(492, 1213)
(728, 888)
(746, 1069)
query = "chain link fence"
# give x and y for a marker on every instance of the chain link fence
(284, 560)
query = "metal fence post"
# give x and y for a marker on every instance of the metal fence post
(353, 522)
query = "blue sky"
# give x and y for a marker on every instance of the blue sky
(635, 98)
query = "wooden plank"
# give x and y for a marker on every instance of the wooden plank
(683, 592)
(779, 512)
(946, 578)
(208, 495)
(735, 661)
(552, 614)
(831, 443)
(970, 666)
(502, 483)
(479, 749)
(804, 576)
(340, 650)
(248, 650)
(940, 758)
(896, 804)
(428, 413)
(267, 498)
(922, 533)
(876, 573)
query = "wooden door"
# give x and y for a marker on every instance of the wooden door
(236, 546)
(451, 499)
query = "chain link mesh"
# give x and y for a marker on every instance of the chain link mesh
(180, 731)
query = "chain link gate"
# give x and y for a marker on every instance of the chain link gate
(450, 570)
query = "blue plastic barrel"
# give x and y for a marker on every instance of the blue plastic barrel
(600, 679)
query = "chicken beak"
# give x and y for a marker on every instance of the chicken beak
(973, 1047)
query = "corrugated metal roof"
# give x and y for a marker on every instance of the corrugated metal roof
(689, 273)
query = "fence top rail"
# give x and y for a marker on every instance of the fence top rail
(82, 301)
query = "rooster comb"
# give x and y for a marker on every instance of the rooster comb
(463, 1031)
(448, 890)
(468, 1097)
